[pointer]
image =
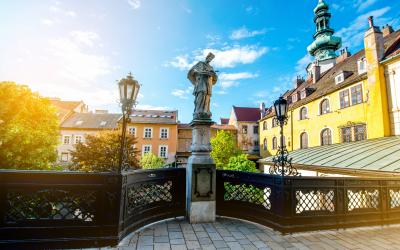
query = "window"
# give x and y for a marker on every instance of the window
(148, 132)
(255, 129)
(265, 144)
(164, 133)
(244, 129)
(66, 139)
(78, 139)
(339, 78)
(344, 99)
(294, 97)
(356, 94)
(326, 137)
(265, 125)
(303, 94)
(357, 132)
(346, 134)
(303, 140)
(146, 149)
(78, 122)
(163, 151)
(274, 122)
(324, 107)
(362, 65)
(64, 157)
(103, 123)
(274, 143)
(132, 131)
(360, 132)
(303, 113)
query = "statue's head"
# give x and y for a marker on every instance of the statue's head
(210, 57)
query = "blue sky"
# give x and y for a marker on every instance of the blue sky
(77, 50)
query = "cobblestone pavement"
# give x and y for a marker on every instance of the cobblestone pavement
(235, 234)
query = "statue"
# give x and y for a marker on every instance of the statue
(203, 77)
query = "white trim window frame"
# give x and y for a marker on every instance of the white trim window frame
(66, 139)
(78, 139)
(146, 149)
(64, 157)
(164, 133)
(148, 133)
(132, 130)
(163, 153)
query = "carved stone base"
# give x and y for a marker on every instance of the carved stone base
(202, 212)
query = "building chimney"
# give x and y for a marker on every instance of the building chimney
(373, 40)
(344, 54)
(316, 72)
(299, 80)
(387, 30)
(371, 21)
(262, 109)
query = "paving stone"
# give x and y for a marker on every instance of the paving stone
(215, 236)
(208, 247)
(189, 236)
(145, 240)
(201, 234)
(161, 239)
(178, 247)
(205, 241)
(219, 244)
(180, 241)
(192, 244)
(175, 235)
(234, 245)
(162, 246)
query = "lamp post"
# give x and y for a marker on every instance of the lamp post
(282, 162)
(128, 91)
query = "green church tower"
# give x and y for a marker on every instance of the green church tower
(325, 44)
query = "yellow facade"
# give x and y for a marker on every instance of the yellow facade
(372, 112)
(315, 123)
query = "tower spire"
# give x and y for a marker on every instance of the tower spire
(325, 44)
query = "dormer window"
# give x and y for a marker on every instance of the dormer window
(362, 65)
(103, 123)
(294, 97)
(303, 94)
(78, 122)
(339, 78)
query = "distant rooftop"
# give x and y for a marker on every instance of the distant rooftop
(155, 116)
(224, 121)
(91, 121)
(381, 154)
(245, 114)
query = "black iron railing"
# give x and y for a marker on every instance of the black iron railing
(56, 209)
(151, 195)
(291, 204)
(74, 210)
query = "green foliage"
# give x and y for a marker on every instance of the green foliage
(241, 163)
(223, 148)
(100, 152)
(150, 160)
(28, 128)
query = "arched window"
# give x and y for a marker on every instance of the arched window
(274, 143)
(265, 144)
(274, 122)
(265, 125)
(324, 107)
(303, 140)
(326, 137)
(303, 113)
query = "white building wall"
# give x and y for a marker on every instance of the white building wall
(392, 75)
(63, 149)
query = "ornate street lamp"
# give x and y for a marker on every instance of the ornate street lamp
(128, 91)
(282, 162)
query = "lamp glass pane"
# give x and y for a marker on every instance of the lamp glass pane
(129, 89)
(121, 90)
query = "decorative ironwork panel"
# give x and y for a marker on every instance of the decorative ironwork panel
(147, 193)
(315, 200)
(50, 204)
(248, 193)
(362, 199)
(394, 198)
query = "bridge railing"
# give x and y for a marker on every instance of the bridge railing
(292, 204)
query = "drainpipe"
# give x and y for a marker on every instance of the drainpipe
(291, 128)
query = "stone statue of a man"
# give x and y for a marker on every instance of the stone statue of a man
(203, 77)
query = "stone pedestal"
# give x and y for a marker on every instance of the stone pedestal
(200, 175)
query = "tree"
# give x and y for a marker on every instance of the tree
(150, 160)
(28, 128)
(223, 148)
(100, 152)
(241, 163)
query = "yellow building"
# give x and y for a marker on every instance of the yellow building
(344, 98)
(156, 132)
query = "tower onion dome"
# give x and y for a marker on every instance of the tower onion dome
(325, 44)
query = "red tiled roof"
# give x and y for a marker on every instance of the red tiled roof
(393, 45)
(244, 114)
(224, 121)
